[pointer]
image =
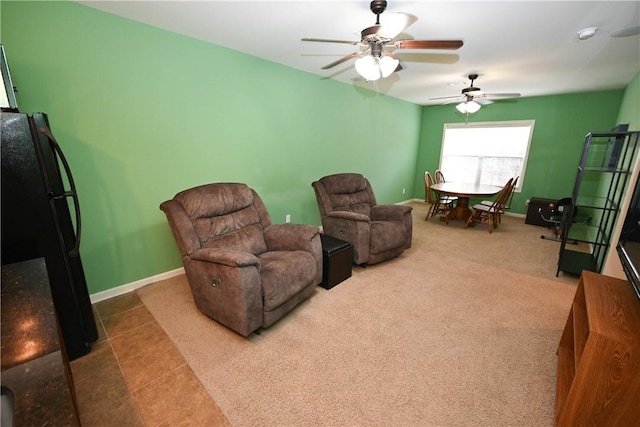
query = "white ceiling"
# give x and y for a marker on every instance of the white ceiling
(530, 47)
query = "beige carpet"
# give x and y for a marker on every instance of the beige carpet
(461, 330)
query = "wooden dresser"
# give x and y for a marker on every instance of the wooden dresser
(599, 355)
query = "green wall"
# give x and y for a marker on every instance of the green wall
(630, 105)
(561, 123)
(629, 113)
(143, 113)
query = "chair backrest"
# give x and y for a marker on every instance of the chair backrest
(510, 196)
(439, 176)
(428, 182)
(229, 215)
(503, 197)
(349, 192)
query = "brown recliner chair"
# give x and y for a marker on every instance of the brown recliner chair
(349, 211)
(244, 272)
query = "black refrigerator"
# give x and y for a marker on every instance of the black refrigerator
(38, 198)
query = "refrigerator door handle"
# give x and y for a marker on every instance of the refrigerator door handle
(71, 193)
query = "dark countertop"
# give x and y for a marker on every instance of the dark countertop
(29, 329)
(34, 366)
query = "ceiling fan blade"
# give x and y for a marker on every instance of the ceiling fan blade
(311, 39)
(499, 95)
(626, 32)
(343, 59)
(429, 44)
(393, 23)
(445, 97)
(483, 101)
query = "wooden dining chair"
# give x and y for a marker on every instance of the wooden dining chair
(438, 204)
(507, 205)
(490, 214)
(439, 176)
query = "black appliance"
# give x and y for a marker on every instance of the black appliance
(37, 221)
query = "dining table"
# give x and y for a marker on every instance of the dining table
(464, 191)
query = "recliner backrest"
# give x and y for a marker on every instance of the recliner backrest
(229, 215)
(348, 192)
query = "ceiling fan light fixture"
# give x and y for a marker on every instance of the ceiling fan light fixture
(368, 68)
(373, 68)
(468, 107)
(387, 65)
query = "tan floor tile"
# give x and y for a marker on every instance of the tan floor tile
(100, 357)
(135, 376)
(203, 412)
(136, 341)
(128, 320)
(121, 413)
(171, 394)
(102, 334)
(119, 304)
(150, 364)
(97, 391)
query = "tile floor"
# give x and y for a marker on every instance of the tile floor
(134, 376)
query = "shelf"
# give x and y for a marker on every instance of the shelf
(593, 202)
(605, 166)
(600, 169)
(573, 262)
(583, 233)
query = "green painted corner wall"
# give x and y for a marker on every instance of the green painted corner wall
(629, 113)
(143, 113)
(561, 124)
(630, 105)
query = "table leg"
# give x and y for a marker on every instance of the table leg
(461, 211)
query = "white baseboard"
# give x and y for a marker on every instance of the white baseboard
(129, 287)
(406, 202)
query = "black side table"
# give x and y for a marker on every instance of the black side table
(337, 259)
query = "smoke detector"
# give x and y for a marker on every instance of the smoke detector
(587, 33)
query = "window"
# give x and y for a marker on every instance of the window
(486, 153)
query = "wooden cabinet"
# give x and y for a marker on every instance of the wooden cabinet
(599, 355)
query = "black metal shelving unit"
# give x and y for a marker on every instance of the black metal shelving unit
(603, 173)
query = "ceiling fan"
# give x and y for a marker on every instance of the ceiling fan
(473, 97)
(378, 41)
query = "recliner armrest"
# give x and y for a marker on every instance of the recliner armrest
(351, 216)
(389, 212)
(228, 257)
(181, 227)
(290, 237)
(296, 237)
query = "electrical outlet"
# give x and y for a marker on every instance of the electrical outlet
(403, 191)
(528, 201)
(287, 218)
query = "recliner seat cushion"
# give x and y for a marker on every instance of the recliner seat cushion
(386, 235)
(284, 274)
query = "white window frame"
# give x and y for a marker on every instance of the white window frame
(483, 132)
